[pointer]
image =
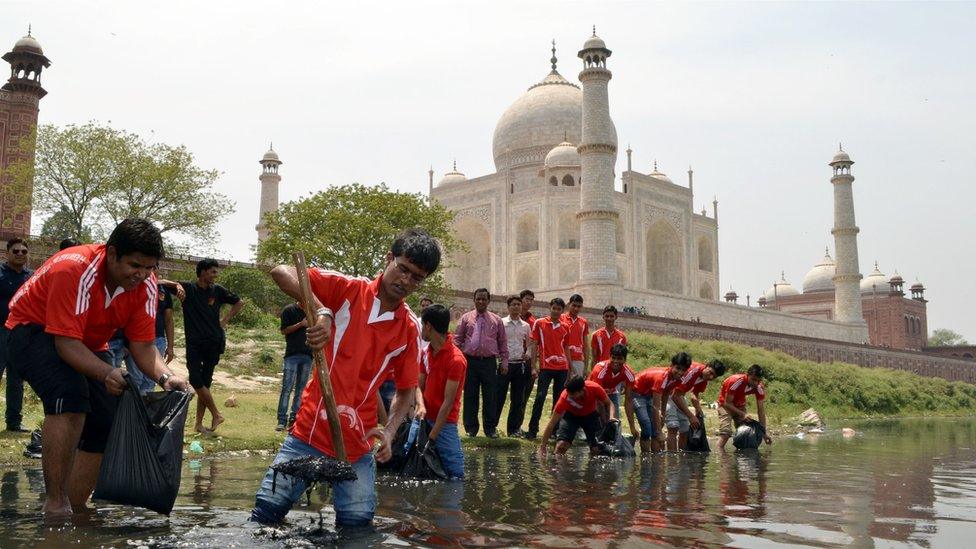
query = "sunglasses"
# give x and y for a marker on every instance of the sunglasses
(19, 252)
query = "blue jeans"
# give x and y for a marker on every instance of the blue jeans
(294, 376)
(354, 500)
(387, 392)
(615, 399)
(448, 445)
(120, 353)
(644, 410)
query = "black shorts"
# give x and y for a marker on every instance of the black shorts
(201, 359)
(61, 388)
(570, 423)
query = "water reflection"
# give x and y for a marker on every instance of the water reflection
(896, 483)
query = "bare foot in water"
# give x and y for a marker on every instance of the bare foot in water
(216, 423)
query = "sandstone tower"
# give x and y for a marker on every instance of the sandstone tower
(598, 153)
(19, 101)
(269, 189)
(847, 277)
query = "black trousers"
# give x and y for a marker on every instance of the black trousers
(558, 380)
(519, 380)
(481, 377)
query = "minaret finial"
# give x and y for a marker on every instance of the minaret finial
(271, 145)
(827, 250)
(28, 29)
(876, 265)
(840, 146)
(455, 164)
(553, 59)
(655, 164)
(594, 30)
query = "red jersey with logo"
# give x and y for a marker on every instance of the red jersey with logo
(67, 295)
(550, 338)
(737, 387)
(448, 364)
(365, 346)
(604, 375)
(577, 329)
(692, 380)
(592, 393)
(602, 341)
(654, 380)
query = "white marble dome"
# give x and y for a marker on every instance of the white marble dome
(660, 175)
(562, 155)
(782, 289)
(876, 281)
(841, 156)
(453, 176)
(28, 43)
(821, 277)
(594, 42)
(270, 156)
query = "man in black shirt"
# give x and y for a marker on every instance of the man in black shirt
(298, 363)
(13, 273)
(204, 330)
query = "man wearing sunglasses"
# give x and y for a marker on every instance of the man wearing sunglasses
(13, 273)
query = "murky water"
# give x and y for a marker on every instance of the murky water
(896, 484)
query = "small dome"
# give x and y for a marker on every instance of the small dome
(874, 282)
(28, 43)
(896, 279)
(563, 154)
(594, 42)
(270, 156)
(780, 289)
(453, 176)
(821, 277)
(841, 156)
(918, 286)
(660, 175)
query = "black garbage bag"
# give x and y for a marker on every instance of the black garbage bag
(144, 454)
(613, 442)
(749, 435)
(398, 445)
(422, 460)
(698, 438)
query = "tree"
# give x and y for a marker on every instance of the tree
(61, 225)
(349, 229)
(944, 337)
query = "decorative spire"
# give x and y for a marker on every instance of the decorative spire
(840, 146)
(655, 164)
(271, 145)
(628, 148)
(594, 30)
(826, 250)
(28, 29)
(553, 59)
(455, 164)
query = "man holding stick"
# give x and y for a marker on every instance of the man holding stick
(366, 330)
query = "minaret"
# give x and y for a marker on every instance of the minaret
(847, 277)
(269, 189)
(598, 154)
(430, 186)
(19, 105)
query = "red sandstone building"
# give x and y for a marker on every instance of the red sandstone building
(19, 101)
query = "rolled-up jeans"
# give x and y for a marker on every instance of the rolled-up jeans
(448, 445)
(354, 500)
(644, 410)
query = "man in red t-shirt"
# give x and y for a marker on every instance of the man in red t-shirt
(528, 298)
(652, 389)
(732, 403)
(606, 337)
(678, 417)
(441, 383)
(60, 323)
(614, 373)
(550, 359)
(582, 404)
(578, 332)
(366, 330)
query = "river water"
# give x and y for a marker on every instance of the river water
(903, 483)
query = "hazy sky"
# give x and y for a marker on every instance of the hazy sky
(755, 97)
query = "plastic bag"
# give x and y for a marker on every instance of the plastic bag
(749, 435)
(422, 460)
(399, 444)
(698, 438)
(144, 454)
(614, 443)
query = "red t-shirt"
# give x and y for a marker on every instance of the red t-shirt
(602, 342)
(529, 319)
(448, 364)
(737, 387)
(654, 380)
(365, 346)
(692, 380)
(603, 374)
(592, 393)
(577, 329)
(67, 296)
(550, 338)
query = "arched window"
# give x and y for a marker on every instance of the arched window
(568, 180)
(907, 327)
(663, 258)
(705, 291)
(553, 181)
(568, 231)
(704, 254)
(527, 234)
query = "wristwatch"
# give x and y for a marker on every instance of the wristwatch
(162, 380)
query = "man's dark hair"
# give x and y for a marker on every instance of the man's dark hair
(610, 309)
(206, 264)
(512, 298)
(438, 316)
(682, 360)
(68, 243)
(480, 290)
(576, 298)
(425, 298)
(135, 235)
(557, 301)
(14, 241)
(756, 370)
(526, 292)
(619, 349)
(575, 384)
(419, 247)
(717, 366)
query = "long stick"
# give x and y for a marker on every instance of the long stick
(321, 369)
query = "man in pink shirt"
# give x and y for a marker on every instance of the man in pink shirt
(480, 335)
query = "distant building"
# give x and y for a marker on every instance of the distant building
(269, 189)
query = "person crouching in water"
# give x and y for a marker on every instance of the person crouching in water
(441, 383)
(679, 418)
(652, 389)
(582, 404)
(613, 373)
(732, 403)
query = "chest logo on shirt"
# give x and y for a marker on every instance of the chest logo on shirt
(349, 415)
